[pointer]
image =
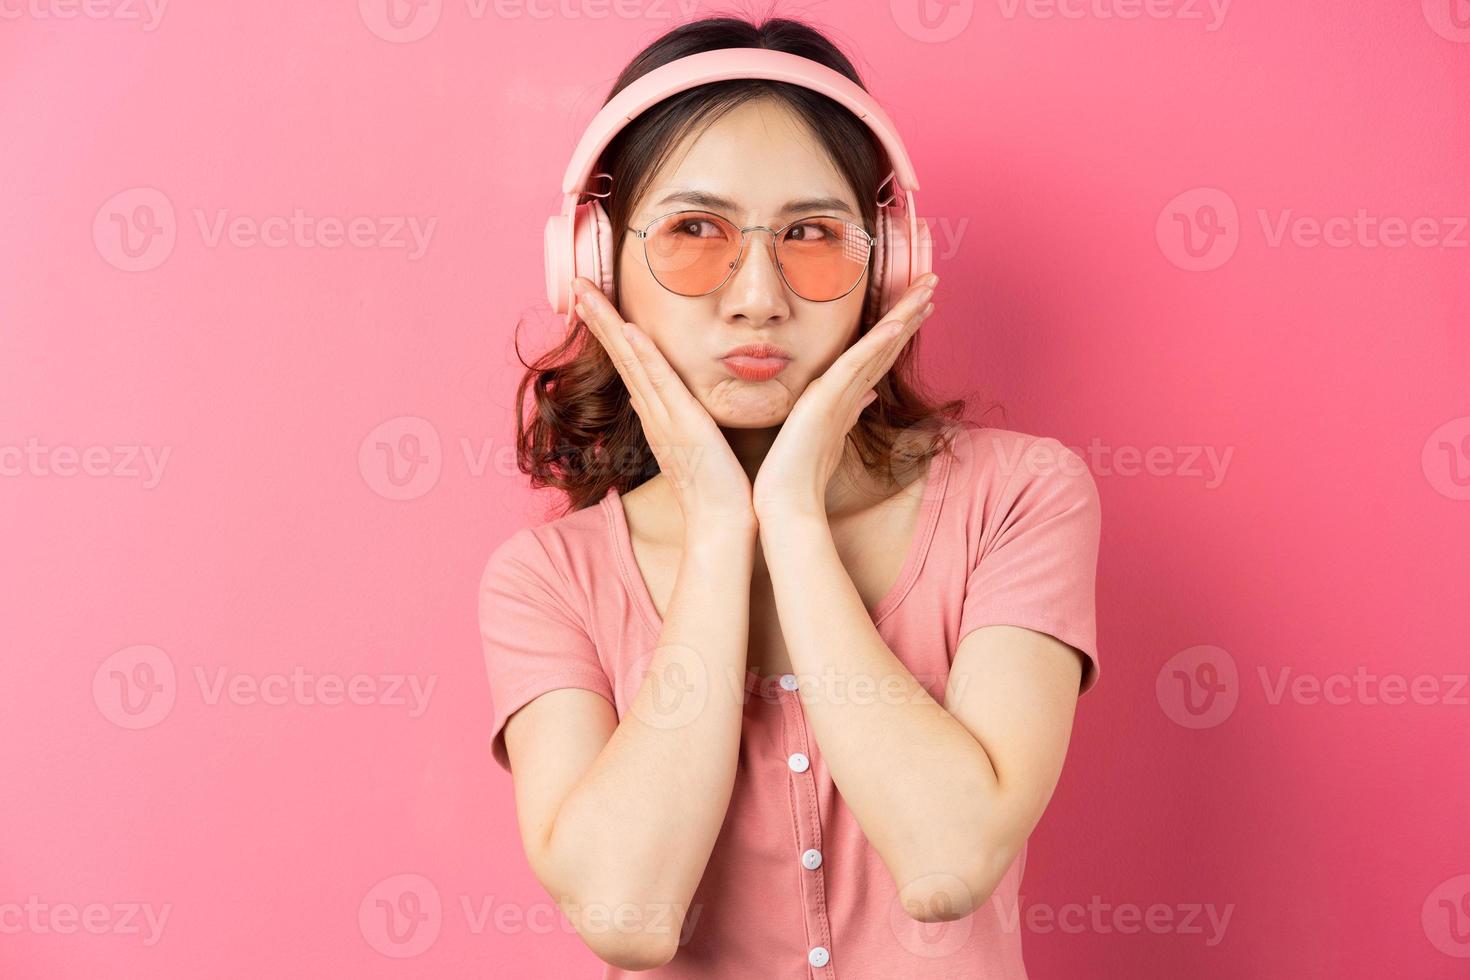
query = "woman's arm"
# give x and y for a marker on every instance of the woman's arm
(947, 794)
(619, 818)
(946, 813)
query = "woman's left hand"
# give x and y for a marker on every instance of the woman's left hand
(794, 475)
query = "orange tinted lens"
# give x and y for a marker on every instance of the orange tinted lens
(823, 258)
(691, 252)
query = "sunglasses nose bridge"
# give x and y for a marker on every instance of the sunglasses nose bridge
(740, 255)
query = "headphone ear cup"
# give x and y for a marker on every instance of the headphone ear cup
(603, 241)
(556, 258)
(905, 261)
(923, 251)
(580, 247)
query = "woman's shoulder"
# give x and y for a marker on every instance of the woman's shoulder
(557, 546)
(999, 465)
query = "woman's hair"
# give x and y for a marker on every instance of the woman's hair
(585, 436)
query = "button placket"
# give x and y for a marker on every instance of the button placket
(807, 824)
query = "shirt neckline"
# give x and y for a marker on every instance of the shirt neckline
(935, 492)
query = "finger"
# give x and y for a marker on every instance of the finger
(913, 299)
(607, 325)
(909, 307)
(894, 334)
(655, 382)
(903, 335)
(656, 368)
(601, 317)
(876, 341)
(879, 364)
(869, 359)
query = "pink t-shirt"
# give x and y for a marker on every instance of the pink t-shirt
(1007, 534)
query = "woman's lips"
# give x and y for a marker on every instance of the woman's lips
(755, 368)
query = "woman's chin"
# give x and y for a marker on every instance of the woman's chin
(750, 406)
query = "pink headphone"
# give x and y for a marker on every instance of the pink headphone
(579, 240)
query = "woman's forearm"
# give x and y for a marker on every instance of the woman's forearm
(919, 784)
(638, 828)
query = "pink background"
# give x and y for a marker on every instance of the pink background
(1062, 159)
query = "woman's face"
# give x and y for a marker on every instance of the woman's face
(759, 157)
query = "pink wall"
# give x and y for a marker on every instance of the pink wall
(196, 422)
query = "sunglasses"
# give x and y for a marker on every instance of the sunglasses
(694, 253)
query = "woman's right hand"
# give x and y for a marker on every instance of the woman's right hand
(692, 452)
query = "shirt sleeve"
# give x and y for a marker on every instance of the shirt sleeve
(1038, 568)
(533, 639)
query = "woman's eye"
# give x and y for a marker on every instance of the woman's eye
(692, 227)
(811, 232)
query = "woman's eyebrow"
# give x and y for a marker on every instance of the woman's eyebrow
(715, 202)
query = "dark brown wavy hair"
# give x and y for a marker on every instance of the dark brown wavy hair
(584, 435)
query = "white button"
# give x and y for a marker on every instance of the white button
(818, 956)
(798, 762)
(788, 681)
(812, 860)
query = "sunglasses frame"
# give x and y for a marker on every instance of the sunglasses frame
(740, 256)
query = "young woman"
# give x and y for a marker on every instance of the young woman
(787, 688)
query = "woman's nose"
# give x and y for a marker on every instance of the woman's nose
(757, 278)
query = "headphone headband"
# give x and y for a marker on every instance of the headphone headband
(580, 241)
(718, 66)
